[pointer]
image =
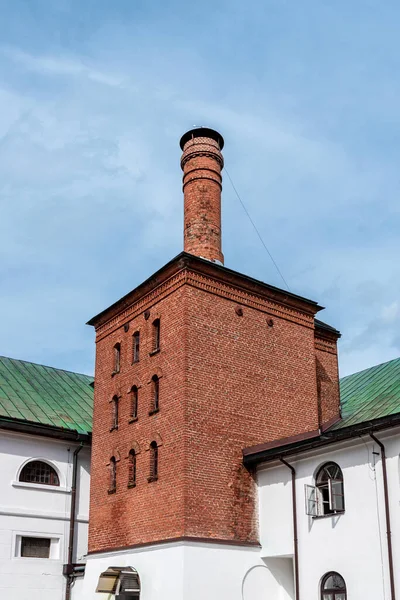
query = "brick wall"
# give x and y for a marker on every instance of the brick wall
(237, 368)
(327, 370)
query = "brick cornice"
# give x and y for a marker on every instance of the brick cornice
(138, 306)
(253, 300)
(212, 278)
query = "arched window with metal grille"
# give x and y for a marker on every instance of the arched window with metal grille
(153, 462)
(134, 402)
(114, 413)
(38, 471)
(333, 587)
(132, 469)
(155, 394)
(117, 358)
(113, 476)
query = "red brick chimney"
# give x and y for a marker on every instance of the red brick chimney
(202, 163)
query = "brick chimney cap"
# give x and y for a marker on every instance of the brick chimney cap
(202, 132)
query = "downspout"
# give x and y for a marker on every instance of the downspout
(387, 515)
(295, 538)
(72, 523)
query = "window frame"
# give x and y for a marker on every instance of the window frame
(155, 395)
(52, 469)
(55, 545)
(323, 498)
(132, 468)
(117, 359)
(112, 484)
(154, 461)
(156, 338)
(134, 404)
(136, 347)
(114, 413)
(331, 591)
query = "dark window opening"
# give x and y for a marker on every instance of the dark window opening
(117, 358)
(153, 462)
(136, 346)
(113, 476)
(38, 471)
(329, 485)
(132, 469)
(333, 587)
(155, 395)
(134, 402)
(32, 547)
(156, 335)
(114, 413)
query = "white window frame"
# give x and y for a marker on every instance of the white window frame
(55, 545)
(314, 504)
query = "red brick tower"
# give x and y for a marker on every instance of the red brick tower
(192, 366)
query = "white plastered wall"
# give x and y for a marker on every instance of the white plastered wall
(39, 511)
(188, 571)
(354, 543)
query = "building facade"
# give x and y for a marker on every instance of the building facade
(45, 480)
(225, 463)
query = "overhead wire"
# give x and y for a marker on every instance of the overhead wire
(256, 230)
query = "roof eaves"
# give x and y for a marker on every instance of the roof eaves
(253, 457)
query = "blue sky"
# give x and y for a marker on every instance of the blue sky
(94, 96)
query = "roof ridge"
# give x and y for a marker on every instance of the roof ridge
(29, 362)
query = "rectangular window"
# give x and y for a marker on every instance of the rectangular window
(32, 547)
(117, 358)
(156, 335)
(136, 346)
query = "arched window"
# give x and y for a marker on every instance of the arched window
(113, 475)
(134, 402)
(333, 587)
(136, 346)
(37, 471)
(155, 394)
(156, 335)
(153, 462)
(330, 491)
(114, 413)
(132, 469)
(117, 358)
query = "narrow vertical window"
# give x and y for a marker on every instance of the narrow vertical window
(153, 462)
(132, 469)
(113, 476)
(136, 346)
(114, 413)
(117, 358)
(156, 335)
(155, 394)
(134, 402)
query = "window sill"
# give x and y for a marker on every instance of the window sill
(333, 514)
(114, 428)
(154, 411)
(135, 362)
(155, 351)
(133, 420)
(151, 479)
(131, 485)
(114, 373)
(40, 486)
(111, 492)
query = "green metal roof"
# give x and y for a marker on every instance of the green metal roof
(45, 395)
(370, 394)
